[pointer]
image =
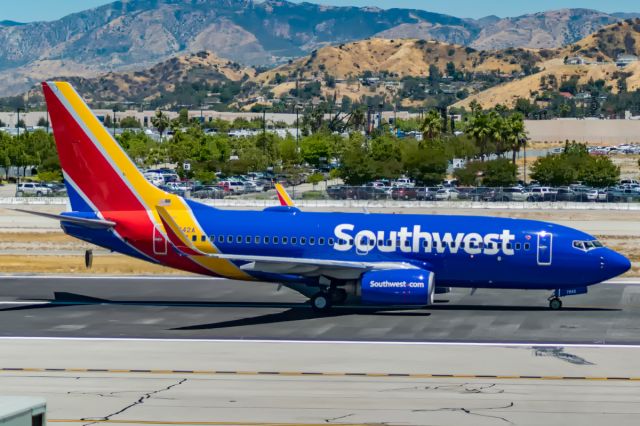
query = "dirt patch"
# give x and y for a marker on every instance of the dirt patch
(102, 265)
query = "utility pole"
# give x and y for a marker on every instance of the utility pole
(114, 122)
(297, 128)
(18, 122)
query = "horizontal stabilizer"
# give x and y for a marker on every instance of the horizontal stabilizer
(89, 223)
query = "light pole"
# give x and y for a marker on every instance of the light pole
(18, 122)
(114, 121)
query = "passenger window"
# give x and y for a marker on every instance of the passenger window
(239, 239)
(256, 240)
(229, 239)
(312, 241)
(518, 246)
(247, 240)
(331, 241)
(508, 246)
(285, 240)
(527, 246)
(294, 240)
(203, 238)
(221, 238)
(372, 243)
(389, 243)
(275, 240)
(321, 241)
(194, 238)
(303, 241)
(266, 240)
(212, 238)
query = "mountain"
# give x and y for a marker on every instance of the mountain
(167, 80)
(135, 34)
(540, 30)
(139, 33)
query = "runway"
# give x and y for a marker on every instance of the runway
(179, 351)
(183, 308)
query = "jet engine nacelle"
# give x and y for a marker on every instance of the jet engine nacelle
(397, 287)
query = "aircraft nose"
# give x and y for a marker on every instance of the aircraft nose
(616, 264)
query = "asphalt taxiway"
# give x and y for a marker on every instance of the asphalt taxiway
(193, 308)
(185, 351)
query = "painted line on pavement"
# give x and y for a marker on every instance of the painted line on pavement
(315, 373)
(330, 342)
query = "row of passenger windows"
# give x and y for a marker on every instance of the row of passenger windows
(330, 241)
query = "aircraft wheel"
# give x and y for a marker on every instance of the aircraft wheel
(321, 302)
(555, 304)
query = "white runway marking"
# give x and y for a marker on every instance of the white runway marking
(331, 342)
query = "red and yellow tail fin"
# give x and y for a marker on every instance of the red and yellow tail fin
(98, 173)
(283, 196)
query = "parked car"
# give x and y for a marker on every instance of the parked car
(232, 187)
(567, 194)
(480, 193)
(404, 193)
(207, 192)
(32, 189)
(512, 194)
(369, 193)
(447, 194)
(427, 193)
(597, 195)
(543, 193)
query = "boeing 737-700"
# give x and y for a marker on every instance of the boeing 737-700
(371, 259)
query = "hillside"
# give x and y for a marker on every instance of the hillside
(400, 58)
(162, 80)
(598, 51)
(136, 34)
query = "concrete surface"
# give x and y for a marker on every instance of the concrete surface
(182, 308)
(328, 396)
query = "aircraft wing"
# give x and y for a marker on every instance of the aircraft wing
(89, 223)
(272, 264)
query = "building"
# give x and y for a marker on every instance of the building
(624, 60)
(575, 60)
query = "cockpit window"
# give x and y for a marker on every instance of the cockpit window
(587, 245)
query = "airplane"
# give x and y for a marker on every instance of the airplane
(333, 258)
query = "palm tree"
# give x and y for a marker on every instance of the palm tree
(161, 122)
(357, 119)
(516, 137)
(480, 129)
(432, 125)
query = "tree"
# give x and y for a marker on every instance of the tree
(356, 167)
(499, 172)
(480, 128)
(315, 149)
(183, 117)
(515, 134)
(42, 122)
(432, 125)
(160, 121)
(130, 123)
(434, 75)
(426, 162)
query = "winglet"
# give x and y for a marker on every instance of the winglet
(283, 196)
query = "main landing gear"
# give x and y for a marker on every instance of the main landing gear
(555, 304)
(323, 301)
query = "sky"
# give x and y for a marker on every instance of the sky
(46, 10)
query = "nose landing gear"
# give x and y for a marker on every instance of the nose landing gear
(555, 304)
